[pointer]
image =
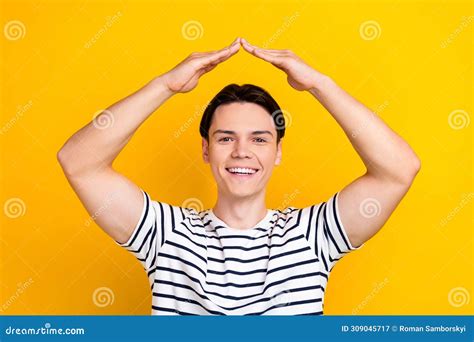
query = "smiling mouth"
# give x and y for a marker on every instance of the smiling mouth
(242, 173)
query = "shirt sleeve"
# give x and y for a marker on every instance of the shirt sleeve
(156, 222)
(326, 233)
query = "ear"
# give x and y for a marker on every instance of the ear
(278, 155)
(205, 151)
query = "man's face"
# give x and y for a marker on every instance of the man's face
(242, 135)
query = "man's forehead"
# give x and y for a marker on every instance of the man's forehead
(242, 117)
(250, 131)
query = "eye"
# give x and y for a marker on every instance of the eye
(222, 139)
(260, 140)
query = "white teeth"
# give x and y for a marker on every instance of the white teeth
(242, 170)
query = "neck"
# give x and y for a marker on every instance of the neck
(240, 212)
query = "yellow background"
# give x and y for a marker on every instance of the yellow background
(415, 73)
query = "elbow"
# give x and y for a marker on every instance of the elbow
(75, 165)
(416, 165)
(411, 165)
(411, 170)
(60, 156)
(68, 161)
(404, 173)
(63, 160)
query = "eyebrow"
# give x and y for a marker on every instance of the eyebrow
(233, 132)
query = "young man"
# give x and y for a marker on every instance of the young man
(239, 258)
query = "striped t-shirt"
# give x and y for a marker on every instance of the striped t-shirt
(198, 265)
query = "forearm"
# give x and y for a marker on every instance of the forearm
(97, 144)
(384, 153)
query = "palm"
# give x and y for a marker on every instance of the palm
(299, 74)
(184, 77)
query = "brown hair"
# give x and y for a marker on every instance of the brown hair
(245, 93)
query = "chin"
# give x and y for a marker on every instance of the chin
(241, 193)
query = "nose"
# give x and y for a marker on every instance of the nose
(240, 150)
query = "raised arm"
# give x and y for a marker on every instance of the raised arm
(87, 157)
(367, 202)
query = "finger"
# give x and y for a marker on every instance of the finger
(251, 48)
(233, 50)
(220, 56)
(236, 40)
(276, 60)
(204, 59)
(209, 53)
(247, 46)
(257, 52)
(207, 69)
(275, 52)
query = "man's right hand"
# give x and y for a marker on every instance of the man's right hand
(184, 77)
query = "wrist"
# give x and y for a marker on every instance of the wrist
(320, 82)
(160, 86)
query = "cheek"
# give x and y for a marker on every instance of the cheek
(217, 155)
(217, 159)
(268, 156)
